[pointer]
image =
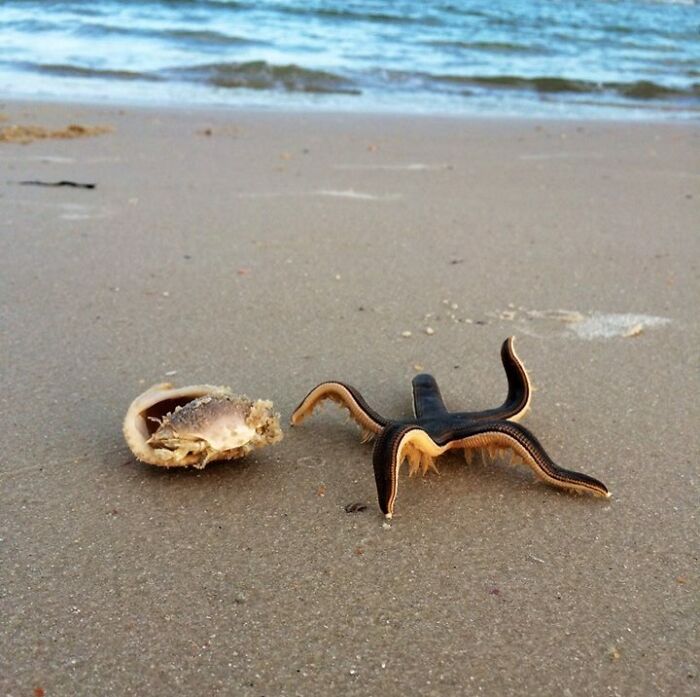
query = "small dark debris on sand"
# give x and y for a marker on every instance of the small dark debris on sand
(63, 182)
(355, 508)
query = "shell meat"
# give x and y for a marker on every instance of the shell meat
(191, 426)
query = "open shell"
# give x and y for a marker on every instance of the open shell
(191, 426)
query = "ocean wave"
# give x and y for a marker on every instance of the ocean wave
(637, 54)
(645, 89)
(65, 70)
(488, 46)
(213, 4)
(208, 37)
(261, 75)
(351, 15)
(539, 84)
(32, 25)
(202, 38)
(638, 89)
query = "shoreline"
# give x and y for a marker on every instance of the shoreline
(588, 114)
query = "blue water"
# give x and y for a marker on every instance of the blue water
(588, 57)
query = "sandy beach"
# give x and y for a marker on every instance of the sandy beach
(271, 251)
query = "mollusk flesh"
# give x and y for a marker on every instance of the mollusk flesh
(191, 426)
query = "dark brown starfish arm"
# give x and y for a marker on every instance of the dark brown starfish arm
(346, 396)
(399, 441)
(517, 401)
(427, 400)
(389, 452)
(504, 434)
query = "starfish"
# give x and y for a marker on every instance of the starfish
(435, 430)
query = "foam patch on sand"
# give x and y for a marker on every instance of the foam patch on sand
(411, 167)
(351, 193)
(346, 193)
(52, 159)
(592, 325)
(561, 156)
(77, 211)
(610, 326)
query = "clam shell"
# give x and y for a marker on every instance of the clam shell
(191, 426)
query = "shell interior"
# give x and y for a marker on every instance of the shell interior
(205, 425)
(173, 427)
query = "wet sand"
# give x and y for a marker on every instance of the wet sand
(270, 252)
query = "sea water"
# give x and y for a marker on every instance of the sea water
(625, 58)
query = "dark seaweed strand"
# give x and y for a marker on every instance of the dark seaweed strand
(518, 390)
(427, 399)
(533, 447)
(359, 400)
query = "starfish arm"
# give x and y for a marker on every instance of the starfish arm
(517, 402)
(346, 396)
(427, 400)
(390, 450)
(399, 441)
(504, 434)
